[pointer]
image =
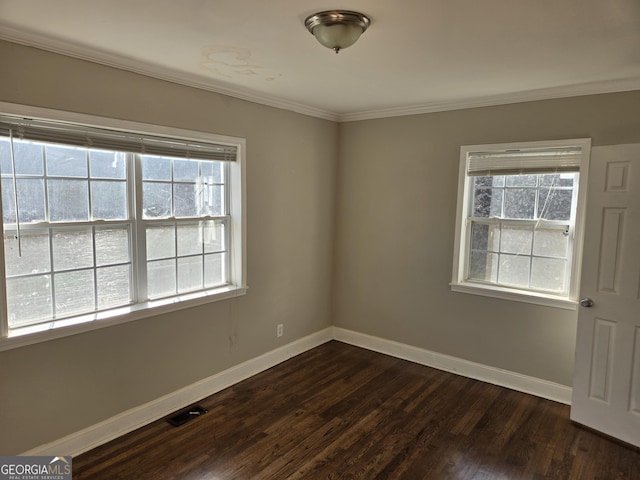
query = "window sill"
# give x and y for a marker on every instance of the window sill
(30, 335)
(515, 295)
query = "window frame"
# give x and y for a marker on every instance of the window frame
(462, 243)
(235, 196)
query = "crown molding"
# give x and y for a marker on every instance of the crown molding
(594, 88)
(70, 49)
(32, 39)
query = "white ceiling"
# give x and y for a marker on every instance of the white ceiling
(417, 56)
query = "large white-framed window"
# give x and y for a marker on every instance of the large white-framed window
(520, 219)
(107, 221)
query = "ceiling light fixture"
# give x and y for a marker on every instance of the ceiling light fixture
(337, 29)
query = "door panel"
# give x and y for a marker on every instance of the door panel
(606, 389)
(601, 362)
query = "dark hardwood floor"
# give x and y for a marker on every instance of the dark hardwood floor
(341, 412)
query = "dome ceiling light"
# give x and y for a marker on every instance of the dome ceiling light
(337, 29)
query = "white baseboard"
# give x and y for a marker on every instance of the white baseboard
(495, 376)
(127, 421)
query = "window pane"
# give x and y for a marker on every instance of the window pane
(35, 253)
(213, 237)
(114, 286)
(558, 180)
(483, 181)
(519, 203)
(8, 202)
(522, 180)
(552, 242)
(185, 170)
(107, 164)
(109, 200)
(30, 200)
(66, 161)
(68, 200)
(214, 270)
(72, 249)
(514, 270)
(212, 172)
(488, 202)
(185, 200)
(483, 266)
(189, 273)
(155, 168)
(156, 200)
(161, 278)
(5, 156)
(189, 239)
(74, 292)
(112, 245)
(28, 158)
(555, 204)
(548, 274)
(212, 201)
(485, 237)
(28, 300)
(516, 240)
(161, 242)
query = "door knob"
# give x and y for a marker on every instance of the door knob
(586, 302)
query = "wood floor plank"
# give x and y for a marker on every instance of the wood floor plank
(341, 412)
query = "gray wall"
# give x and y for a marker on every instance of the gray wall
(397, 194)
(375, 200)
(55, 388)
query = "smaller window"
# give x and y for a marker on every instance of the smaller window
(519, 227)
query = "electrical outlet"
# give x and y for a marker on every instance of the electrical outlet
(279, 330)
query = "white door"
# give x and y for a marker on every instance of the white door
(606, 386)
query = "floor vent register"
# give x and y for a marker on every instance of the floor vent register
(186, 415)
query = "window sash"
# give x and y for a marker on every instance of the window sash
(542, 193)
(534, 226)
(175, 224)
(51, 229)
